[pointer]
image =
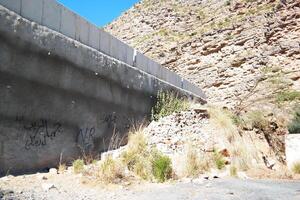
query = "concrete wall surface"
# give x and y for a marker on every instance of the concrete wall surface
(55, 16)
(292, 149)
(61, 97)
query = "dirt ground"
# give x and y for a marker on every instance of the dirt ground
(69, 186)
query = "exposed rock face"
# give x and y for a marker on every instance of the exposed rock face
(224, 46)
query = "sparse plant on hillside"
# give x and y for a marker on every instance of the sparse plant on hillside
(294, 126)
(168, 103)
(288, 95)
(78, 166)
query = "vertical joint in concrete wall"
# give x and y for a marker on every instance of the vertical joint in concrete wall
(181, 86)
(134, 57)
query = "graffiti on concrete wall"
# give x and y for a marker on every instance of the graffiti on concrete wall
(85, 138)
(39, 132)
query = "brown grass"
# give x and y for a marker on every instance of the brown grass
(195, 162)
(110, 171)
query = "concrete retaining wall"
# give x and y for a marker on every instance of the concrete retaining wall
(61, 97)
(292, 149)
(55, 16)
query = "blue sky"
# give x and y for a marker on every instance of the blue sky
(99, 12)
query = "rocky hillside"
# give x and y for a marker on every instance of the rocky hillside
(226, 47)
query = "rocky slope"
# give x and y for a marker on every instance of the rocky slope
(245, 54)
(223, 46)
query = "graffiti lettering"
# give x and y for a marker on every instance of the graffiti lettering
(85, 137)
(38, 132)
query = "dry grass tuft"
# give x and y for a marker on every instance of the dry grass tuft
(146, 163)
(196, 163)
(78, 166)
(62, 168)
(110, 171)
(242, 152)
(233, 171)
(296, 168)
(222, 119)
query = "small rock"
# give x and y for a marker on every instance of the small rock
(224, 153)
(41, 177)
(48, 186)
(53, 171)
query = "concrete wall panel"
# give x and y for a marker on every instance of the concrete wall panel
(105, 40)
(129, 55)
(14, 5)
(116, 49)
(82, 30)
(94, 37)
(68, 23)
(32, 10)
(52, 14)
(142, 62)
(154, 68)
(119, 50)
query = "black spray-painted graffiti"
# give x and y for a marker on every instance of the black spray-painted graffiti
(85, 138)
(38, 132)
(110, 120)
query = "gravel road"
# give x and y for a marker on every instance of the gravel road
(207, 189)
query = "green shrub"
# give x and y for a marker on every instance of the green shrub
(219, 160)
(296, 168)
(294, 126)
(168, 103)
(162, 169)
(78, 166)
(288, 95)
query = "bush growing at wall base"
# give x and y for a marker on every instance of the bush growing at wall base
(168, 103)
